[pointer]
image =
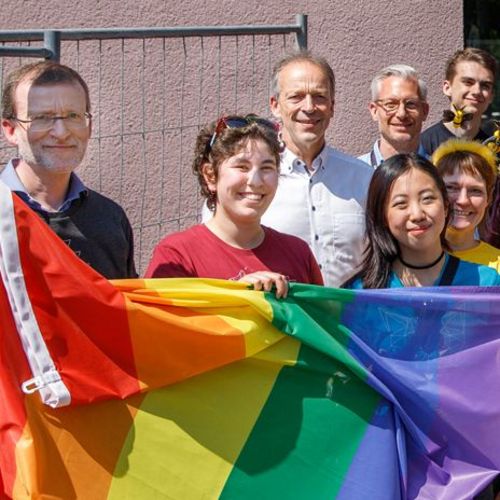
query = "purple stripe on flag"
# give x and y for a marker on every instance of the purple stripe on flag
(375, 463)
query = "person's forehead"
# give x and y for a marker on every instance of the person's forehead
(250, 146)
(297, 72)
(474, 70)
(462, 176)
(29, 94)
(397, 85)
(413, 180)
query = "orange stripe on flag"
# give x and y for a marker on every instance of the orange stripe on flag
(72, 452)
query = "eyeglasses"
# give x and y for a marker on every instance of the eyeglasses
(43, 123)
(391, 106)
(240, 122)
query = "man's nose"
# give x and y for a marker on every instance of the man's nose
(59, 128)
(476, 88)
(308, 103)
(401, 111)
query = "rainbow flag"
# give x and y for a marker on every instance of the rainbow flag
(187, 389)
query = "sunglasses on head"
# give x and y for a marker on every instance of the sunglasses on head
(240, 122)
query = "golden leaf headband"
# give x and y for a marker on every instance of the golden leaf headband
(461, 145)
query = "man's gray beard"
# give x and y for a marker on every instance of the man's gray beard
(41, 164)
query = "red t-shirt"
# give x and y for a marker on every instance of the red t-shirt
(197, 252)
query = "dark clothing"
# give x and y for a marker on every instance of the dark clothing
(486, 494)
(490, 232)
(93, 226)
(436, 134)
(98, 231)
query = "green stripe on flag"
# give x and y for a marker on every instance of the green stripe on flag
(312, 315)
(317, 413)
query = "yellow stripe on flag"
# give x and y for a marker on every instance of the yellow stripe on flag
(187, 437)
(195, 293)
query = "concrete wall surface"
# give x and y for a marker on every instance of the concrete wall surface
(156, 94)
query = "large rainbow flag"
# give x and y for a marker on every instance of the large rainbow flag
(200, 389)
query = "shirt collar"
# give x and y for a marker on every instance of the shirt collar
(11, 179)
(290, 161)
(378, 155)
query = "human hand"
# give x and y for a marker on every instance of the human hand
(264, 280)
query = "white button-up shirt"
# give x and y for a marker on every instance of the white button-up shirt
(325, 208)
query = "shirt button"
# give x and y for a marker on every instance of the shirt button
(316, 237)
(320, 266)
(310, 181)
(313, 208)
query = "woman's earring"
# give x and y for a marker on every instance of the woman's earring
(281, 142)
(212, 199)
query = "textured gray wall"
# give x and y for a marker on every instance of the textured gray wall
(358, 38)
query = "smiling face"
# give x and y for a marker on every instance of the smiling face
(304, 106)
(59, 149)
(468, 197)
(401, 127)
(416, 214)
(246, 183)
(471, 87)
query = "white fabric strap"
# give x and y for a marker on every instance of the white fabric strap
(45, 379)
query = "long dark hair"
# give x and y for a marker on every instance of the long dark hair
(382, 248)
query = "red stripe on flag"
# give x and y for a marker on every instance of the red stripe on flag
(83, 318)
(14, 370)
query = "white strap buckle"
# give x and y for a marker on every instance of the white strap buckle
(36, 383)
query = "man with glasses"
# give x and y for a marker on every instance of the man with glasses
(46, 115)
(321, 193)
(399, 106)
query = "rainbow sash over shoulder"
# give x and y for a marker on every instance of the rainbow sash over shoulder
(187, 389)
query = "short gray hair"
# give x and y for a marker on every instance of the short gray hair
(301, 56)
(401, 71)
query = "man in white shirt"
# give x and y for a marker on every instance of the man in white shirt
(322, 192)
(399, 106)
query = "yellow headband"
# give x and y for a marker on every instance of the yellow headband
(459, 145)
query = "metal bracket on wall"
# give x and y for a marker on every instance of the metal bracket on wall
(52, 38)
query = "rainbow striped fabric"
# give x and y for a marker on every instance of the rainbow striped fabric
(187, 389)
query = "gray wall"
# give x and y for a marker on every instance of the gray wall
(358, 38)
